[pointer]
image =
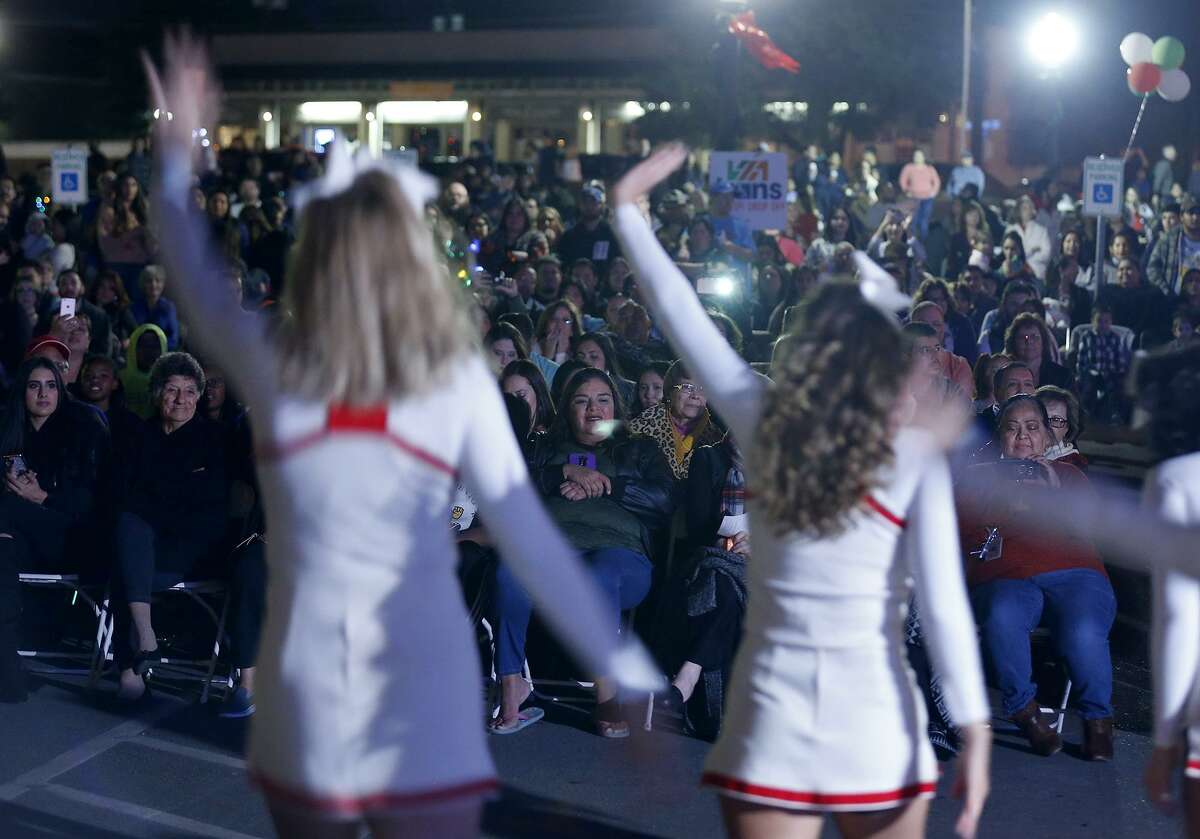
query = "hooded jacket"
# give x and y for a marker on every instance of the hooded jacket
(135, 380)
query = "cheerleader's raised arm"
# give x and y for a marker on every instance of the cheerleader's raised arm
(233, 338)
(731, 386)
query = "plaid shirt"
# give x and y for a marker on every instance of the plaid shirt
(1105, 354)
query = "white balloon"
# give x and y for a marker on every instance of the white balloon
(1136, 47)
(1174, 86)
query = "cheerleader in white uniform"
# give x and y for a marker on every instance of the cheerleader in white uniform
(369, 403)
(824, 715)
(1171, 388)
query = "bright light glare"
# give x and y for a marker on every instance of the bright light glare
(1053, 40)
(343, 111)
(724, 286)
(632, 110)
(476, 116)
(586, 116)
(267, 116)
(423, 112)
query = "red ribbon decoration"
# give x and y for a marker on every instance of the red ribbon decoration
(745, 29)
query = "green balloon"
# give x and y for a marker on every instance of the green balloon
(1168, 53)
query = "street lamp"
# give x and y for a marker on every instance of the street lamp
(1052, 42)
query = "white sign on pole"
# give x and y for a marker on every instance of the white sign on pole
(759, 182)
(68, 175)
(1103, 186)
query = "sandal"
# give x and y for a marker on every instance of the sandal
(525, 718)
(609, 721)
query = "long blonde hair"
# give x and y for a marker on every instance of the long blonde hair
(824, 435)
(371, 313)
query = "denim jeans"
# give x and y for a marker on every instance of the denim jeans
(624, 580)
(1077, 606)
(922, 216)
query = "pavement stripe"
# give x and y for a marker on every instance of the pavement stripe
(190, 827)
(84, 752)
(191, 751)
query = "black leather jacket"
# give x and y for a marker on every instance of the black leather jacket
(641, 480)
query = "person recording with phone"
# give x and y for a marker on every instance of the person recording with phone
(1019, 580)
(54, 464)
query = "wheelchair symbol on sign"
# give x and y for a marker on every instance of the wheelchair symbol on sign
(69, 182)
(1102, 193)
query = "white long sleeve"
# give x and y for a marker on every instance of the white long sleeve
(934, 559)
(566, 596)
(1175, 637)
(732, 387)
(233, 337)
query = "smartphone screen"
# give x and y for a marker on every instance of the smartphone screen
(66, 308)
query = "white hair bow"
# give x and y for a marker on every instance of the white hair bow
(342, 168)
(878, 287)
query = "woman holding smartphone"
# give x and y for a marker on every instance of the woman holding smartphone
(824, 715)
(53, 462)
(368, 405)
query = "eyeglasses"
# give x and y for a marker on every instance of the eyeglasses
(689, 389)
(1059, 422)
(927, 350)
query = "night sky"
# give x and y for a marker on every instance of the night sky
(68, 68)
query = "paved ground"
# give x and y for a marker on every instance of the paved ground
(71, 766)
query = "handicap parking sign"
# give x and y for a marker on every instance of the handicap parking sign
(1103, 180)
(69, 176)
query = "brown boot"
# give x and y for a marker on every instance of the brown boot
(1044, 739)
(1098, 739)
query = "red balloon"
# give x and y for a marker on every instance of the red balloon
(1144, 77)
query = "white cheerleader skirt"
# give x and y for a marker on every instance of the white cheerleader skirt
(823, 729)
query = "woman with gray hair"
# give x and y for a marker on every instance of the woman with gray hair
(174, 508)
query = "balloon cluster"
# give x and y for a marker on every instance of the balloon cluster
(1155, 65)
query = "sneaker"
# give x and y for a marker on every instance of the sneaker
(239, 705)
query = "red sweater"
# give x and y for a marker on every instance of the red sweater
(997, 503)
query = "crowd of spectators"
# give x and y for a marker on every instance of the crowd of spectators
(127, 459)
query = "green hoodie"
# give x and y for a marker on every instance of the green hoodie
(135, 380)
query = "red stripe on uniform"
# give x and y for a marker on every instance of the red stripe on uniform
(350, 806)
(1194, 765)
(350, 418)
(345, 419)
(818, 798)
(874, 504)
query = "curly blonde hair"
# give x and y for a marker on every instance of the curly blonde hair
(824, 436)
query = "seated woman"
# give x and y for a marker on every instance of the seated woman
(1066, 424)
(1029, 340)
(54, 462)
(175, 511)
(506, 344)
(521, 378)
(595, 349)
(607, 492)
(649, 388)
(679, 423)
(1019, 579)
(712, 597)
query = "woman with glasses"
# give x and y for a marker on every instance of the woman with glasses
(680, 423)
(1066, 424)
